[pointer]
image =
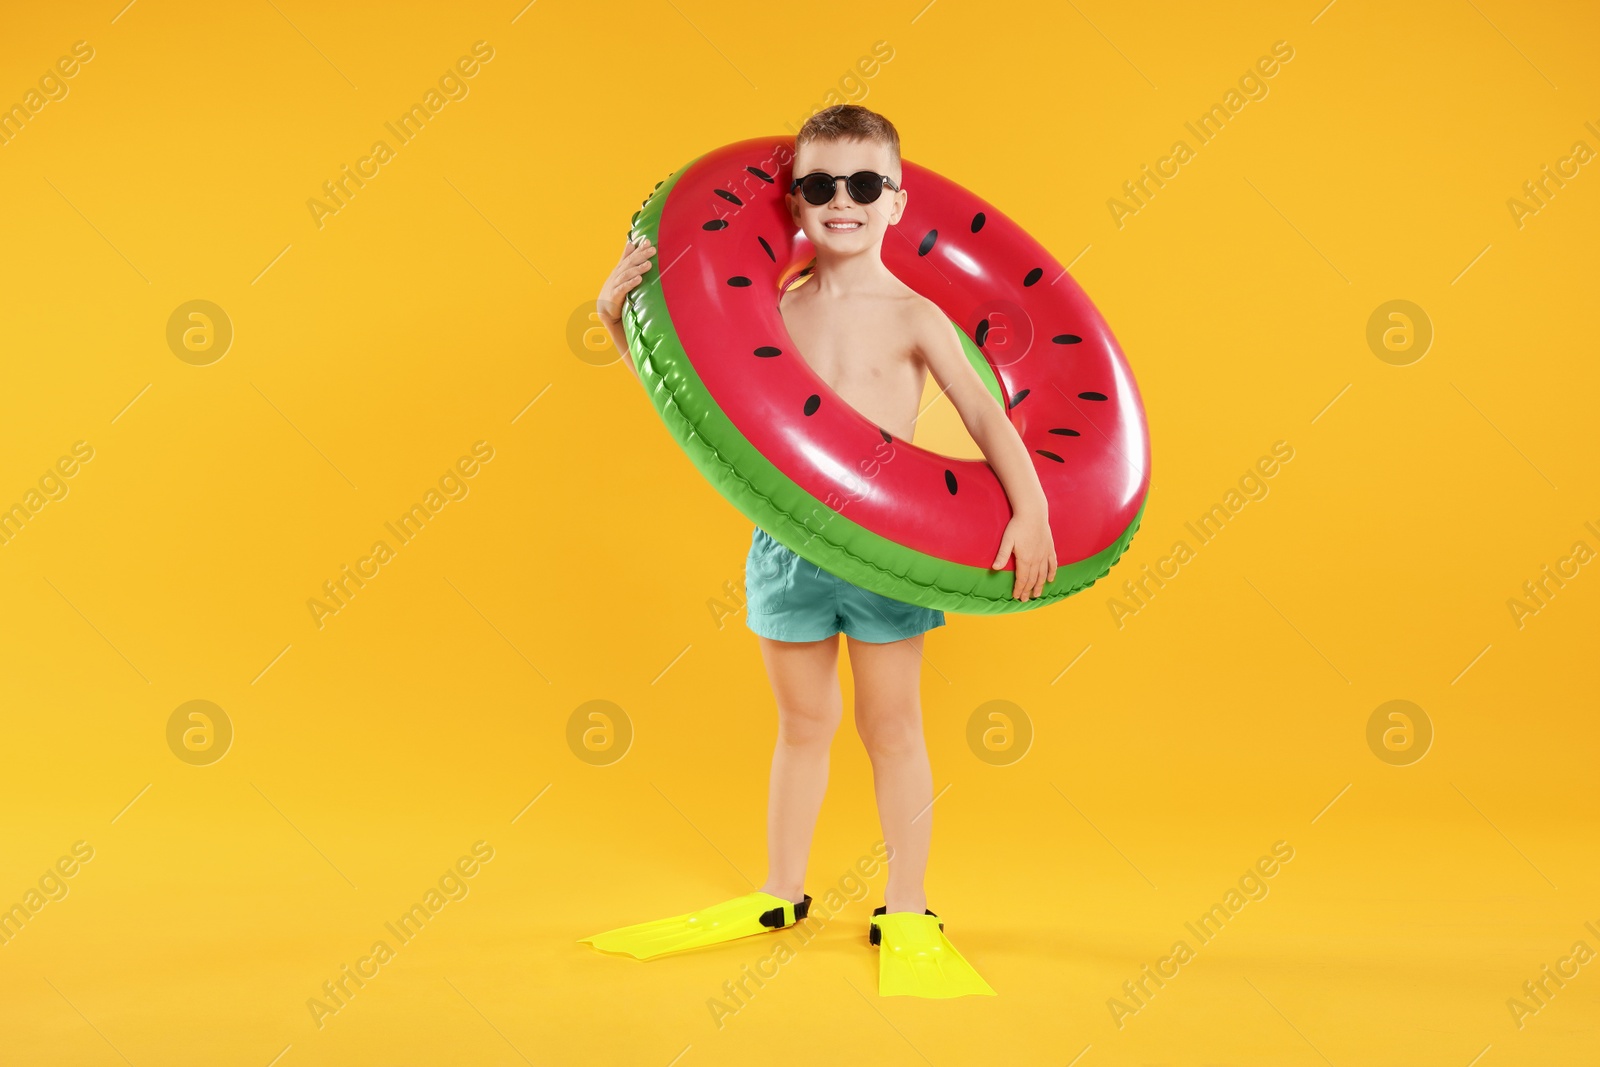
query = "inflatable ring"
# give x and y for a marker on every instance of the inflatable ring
(705, 334)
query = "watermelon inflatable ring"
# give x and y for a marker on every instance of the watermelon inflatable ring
(710, 346)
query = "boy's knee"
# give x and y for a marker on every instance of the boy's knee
(815, 725)
(890, 737)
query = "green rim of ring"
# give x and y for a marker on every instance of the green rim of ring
(774, 502)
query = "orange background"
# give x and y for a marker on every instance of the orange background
(443, 305)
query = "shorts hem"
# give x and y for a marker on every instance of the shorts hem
(877, 640)
(775, 633)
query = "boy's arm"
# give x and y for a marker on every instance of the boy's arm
(624, 278)
(619, 338)
(1028, 533)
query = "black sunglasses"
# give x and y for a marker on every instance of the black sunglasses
(863, 186)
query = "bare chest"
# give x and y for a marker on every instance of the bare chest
(865, 355)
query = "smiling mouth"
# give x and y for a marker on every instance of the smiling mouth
(843, 227)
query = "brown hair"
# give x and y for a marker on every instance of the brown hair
(851, 122)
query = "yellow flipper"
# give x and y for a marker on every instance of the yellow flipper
(917, 960)
(753, 913)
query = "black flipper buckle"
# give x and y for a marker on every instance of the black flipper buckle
(875, 935)
(774, 919)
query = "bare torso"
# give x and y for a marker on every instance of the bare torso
(863, 347)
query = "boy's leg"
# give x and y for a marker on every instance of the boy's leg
(888, 679)
(805, 681)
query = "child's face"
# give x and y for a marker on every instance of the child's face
(872, 220)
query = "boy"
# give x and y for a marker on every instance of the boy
(873, 340)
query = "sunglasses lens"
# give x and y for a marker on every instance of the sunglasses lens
(816, 188)
(864, 186)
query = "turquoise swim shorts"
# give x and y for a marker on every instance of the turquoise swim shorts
(788, 599)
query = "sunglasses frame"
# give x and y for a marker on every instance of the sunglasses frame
(879, 181)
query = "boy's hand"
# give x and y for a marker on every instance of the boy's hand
(1028, 534)
(624, 279)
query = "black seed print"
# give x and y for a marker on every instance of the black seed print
(715, 224)
(1033, 275)
(1049, 455)
(759, 173)
(738, 281)
(983, 332)
(813, 402)
(766, 248)
(977, 222)
(1019, 397)
(1068, 433)
(767, 351)
(728, 196)
(887, 438)
(1091, 396)
(950, 481)
(1067, 339)
(927, 242)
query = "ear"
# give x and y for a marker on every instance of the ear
(794, 207)
(899, 208)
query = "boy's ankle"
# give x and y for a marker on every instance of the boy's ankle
(917, 902)
(792, 895)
